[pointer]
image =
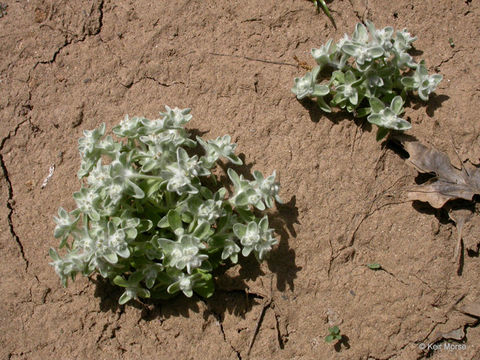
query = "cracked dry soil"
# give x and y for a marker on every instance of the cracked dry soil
(68, 66)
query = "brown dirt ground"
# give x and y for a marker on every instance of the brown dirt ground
(70, 65)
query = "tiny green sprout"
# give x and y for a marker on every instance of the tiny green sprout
(451, 42)
(147, 216)
(333, 334)
(369, 74)
(374, 266)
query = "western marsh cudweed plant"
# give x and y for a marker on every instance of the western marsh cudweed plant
(145, 218)
(368, 74)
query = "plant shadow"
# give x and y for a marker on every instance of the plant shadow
(335, 117)
(434, 103)
(342, 343)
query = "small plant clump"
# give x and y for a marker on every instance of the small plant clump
(145, 217)
(333, 334)
(369, 74)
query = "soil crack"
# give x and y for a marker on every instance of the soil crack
(455, 52)
(86, 32)
(10, 200)
(218, 319)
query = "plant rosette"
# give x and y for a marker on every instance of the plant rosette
(368, 74)
(145, 217)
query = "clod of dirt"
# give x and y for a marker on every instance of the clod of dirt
(333, 318)
(457, 334)
(472, 309)
(449, 183)
(468, 227)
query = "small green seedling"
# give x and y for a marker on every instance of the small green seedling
(374, 266)
(334, 334)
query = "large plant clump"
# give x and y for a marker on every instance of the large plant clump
(145, 218)
(368, 74)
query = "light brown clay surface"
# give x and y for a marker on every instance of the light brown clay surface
(67, 66)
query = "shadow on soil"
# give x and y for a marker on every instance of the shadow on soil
(232, 293)
(434, 103)
(343, 343)
(335, 117)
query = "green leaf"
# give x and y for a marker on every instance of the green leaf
(334, 330)
(376, 105)
(163, 223)
(174, 220)
(316, 70)
(53, 254)
(323, 105)
(233, 177)
(187, 217)
(202, 230)
(124, 298)
(144, 293)
(362, 112)
(206, 193)
(408, 82)
(329, 338)
(239, 230)
(376, 119)
(152, 187)
(320, 90)
(350, 77)
(206, 286)
(397, 105)
(374, 266)
(382, 132)
(120, 281)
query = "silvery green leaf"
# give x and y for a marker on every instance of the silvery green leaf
(325, 53)
(428, 86)
(202, 230)
(377, 105)
(304, 86)
(128, 127)
(320, 90)
(397, 105)
(403, 40)
(360, 35)
(220, 147)
(322, 104)
(409, 82)
(176, 118)
(87, 145)
(65, 223)
(87, 201)
(403, 60)
(184, 253)
(375, 52)
(388, 119)
(174, 220)
(240, 230)
(230, 250)
(184, 283)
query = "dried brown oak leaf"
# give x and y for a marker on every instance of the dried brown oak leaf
(450, 183)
